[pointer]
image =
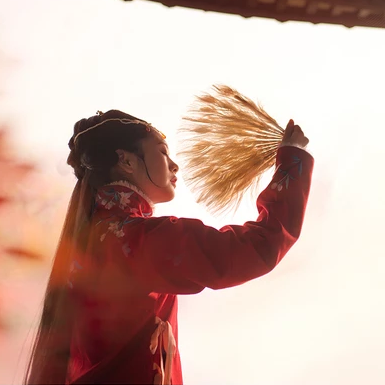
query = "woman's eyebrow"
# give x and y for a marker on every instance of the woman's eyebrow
(162, 142)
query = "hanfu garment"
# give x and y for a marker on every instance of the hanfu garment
(125, 286)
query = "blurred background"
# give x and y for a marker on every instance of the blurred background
(318, 317)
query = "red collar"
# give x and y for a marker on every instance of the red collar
(123, 197)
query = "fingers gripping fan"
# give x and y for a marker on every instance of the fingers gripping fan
(225, 143)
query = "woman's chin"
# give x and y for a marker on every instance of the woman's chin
(166, 196)
(170, 196)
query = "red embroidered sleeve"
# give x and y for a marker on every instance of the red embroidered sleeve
(183, 256)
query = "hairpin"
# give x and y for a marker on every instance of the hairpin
(123, 121)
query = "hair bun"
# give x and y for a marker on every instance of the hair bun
(88, 148)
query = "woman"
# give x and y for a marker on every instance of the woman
(110, 311)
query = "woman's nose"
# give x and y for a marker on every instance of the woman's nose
(174, 167)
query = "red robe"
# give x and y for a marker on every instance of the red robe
(125, 286)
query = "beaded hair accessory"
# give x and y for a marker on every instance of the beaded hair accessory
(148, 126)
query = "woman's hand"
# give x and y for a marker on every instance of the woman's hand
(293, 136)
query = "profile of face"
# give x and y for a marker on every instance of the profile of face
(156, 175)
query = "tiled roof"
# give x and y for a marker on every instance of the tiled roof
(369, 13)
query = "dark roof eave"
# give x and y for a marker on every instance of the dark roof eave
(284, 16)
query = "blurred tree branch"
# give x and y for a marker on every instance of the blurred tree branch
(12, 173)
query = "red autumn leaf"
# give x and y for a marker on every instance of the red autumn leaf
(3, 326)
(22, 253)
(4, 200)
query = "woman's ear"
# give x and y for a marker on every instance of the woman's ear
(122, 156)
(128, 161)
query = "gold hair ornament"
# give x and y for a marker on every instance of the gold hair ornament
(163, 136)
(123, 121)
(226, 142)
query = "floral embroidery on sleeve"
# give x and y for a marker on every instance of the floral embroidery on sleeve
(126, 249)
(74, 268)
(116, 228)
(287, 175)
(176, 259)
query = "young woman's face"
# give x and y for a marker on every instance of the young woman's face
(158, 182)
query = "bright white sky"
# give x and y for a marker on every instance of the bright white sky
(318, 318)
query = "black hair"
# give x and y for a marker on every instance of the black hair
(92, 155)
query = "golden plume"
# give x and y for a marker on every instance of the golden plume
(225, 144)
